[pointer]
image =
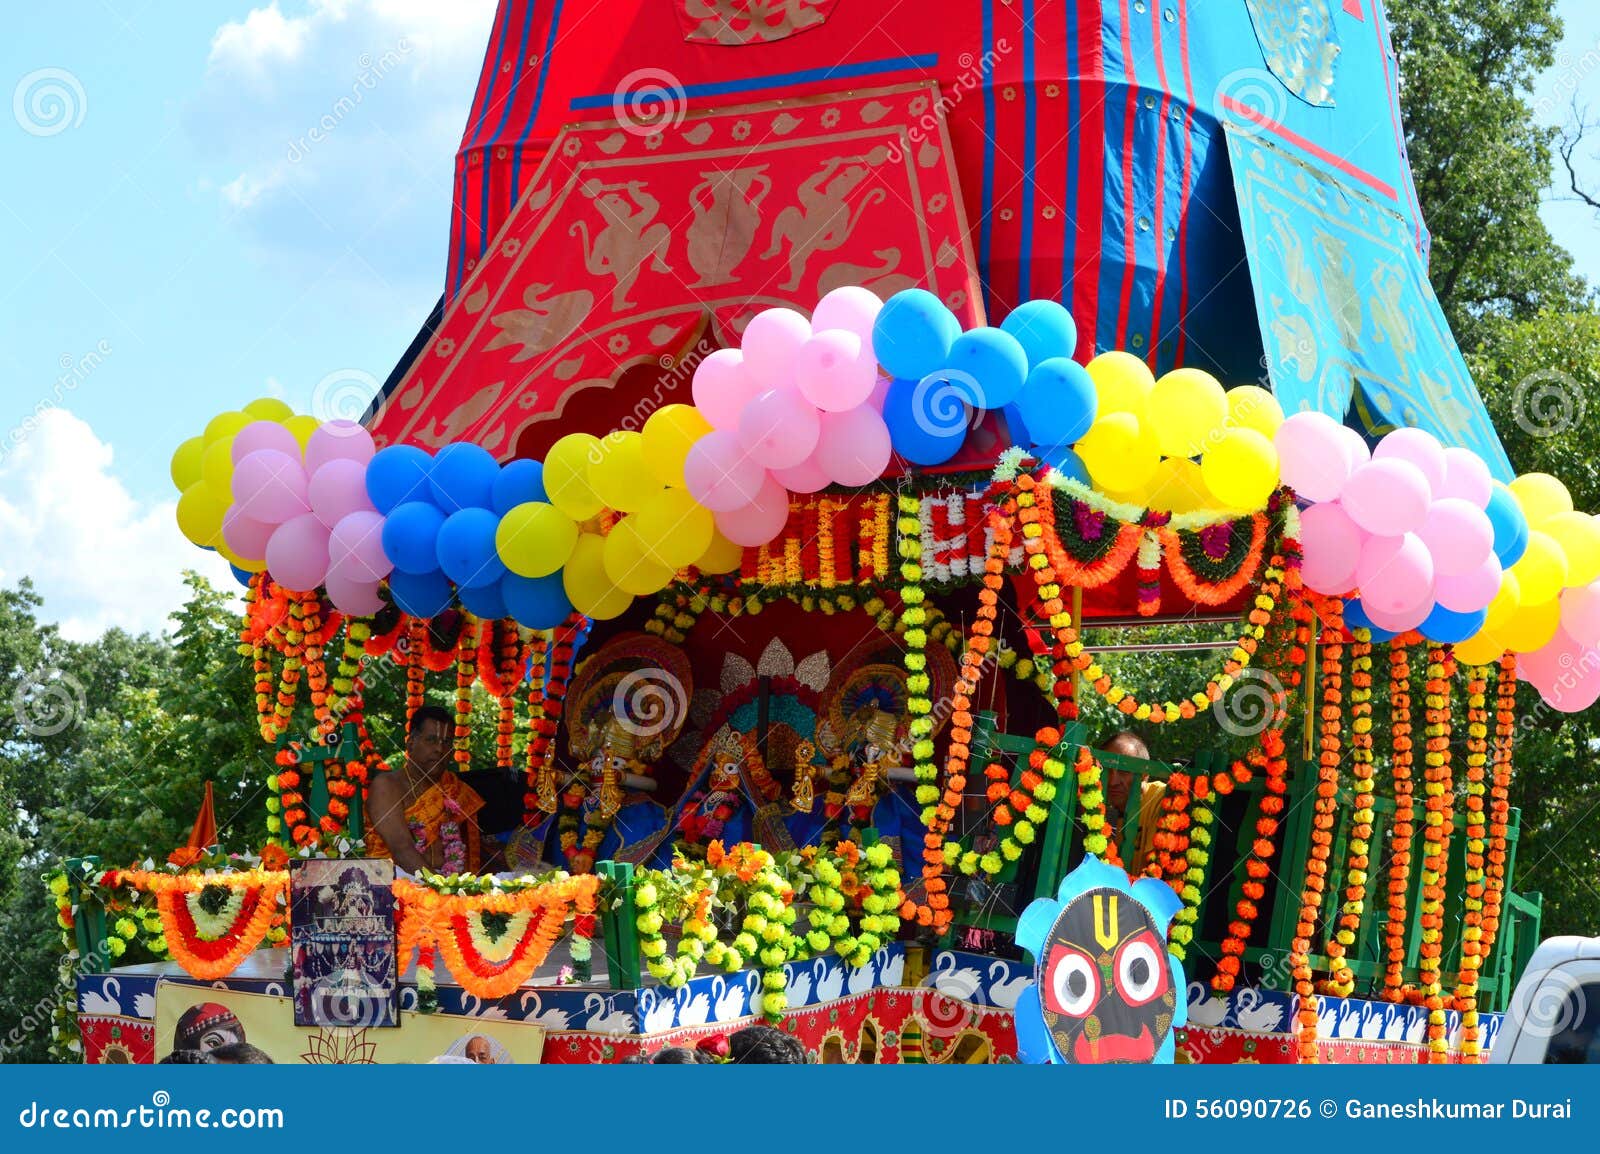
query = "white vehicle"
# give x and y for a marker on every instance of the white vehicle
(1554, 1015)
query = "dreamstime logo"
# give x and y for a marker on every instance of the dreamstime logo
(1551, 1006)
(48, 701)
(1251, 706)
(1547, 403)
(49, 101)
(943, 402)
(1255, 96)
(649, 702)
(648, 100)
(343, 395)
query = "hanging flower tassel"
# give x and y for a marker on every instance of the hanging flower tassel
(1505, 725)
(1196, 856)
(1355, 892)
(416, 673)
(1436, 834)
(1472, 956)
(466, 674)
(1404, 828)
(545, 723)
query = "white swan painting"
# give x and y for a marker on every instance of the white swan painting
(604, 1017)
(1254, 1013)
(958, 982)
(1004, 990)
(1204, 1009)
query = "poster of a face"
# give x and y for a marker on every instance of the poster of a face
(342, 936)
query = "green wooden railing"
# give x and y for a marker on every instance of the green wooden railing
(314, 760)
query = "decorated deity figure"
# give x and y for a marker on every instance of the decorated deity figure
(610, 803)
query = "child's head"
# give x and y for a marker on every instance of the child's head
(766, 1045)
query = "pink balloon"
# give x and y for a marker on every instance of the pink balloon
(1458, 535)
(770, 343)
(1398, 622)
(270, 486)
(338, 440)
(263, 435)
(353, 597)
(835, 371)
(722, 387)
(245, 535)
(1565, 671)
(338, 489)
(853, 448)
(1355, 447)
(1470, 592)
(721, 473)
(759, 521)
(355, 547)
(1314, 459)
(1466, 476)
(1418, 447)
(297, 554)
(1395, 575)
(851, 308)
(806, 477)
(1331, 544)
(779, 428)
(1387, 498)
(1580, 611)
(880, 393)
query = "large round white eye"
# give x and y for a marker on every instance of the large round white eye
(1073, 983)
(1138, 972)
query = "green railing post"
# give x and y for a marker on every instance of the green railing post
(617, 924)
(89, 922)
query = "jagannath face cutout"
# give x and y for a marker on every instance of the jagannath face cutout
(1105, 987)
(727, 758)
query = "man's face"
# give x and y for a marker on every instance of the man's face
(478, 1051)
(1118, 784)
(429, 746)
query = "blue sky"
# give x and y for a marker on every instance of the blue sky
(176, 243)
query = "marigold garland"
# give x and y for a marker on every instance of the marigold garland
(1505, 724)
(228, 941)
(1091, 802)
(1436, 835)
(416, 672)
(1403, 831)
(1019, 811)
(1355, 893)
(1472, 956)
(1316, 868)
(1196, 857)
(544, 723)
(466, 674)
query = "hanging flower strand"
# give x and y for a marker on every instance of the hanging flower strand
(1436, 833)
(1403, 830)
(1472, 957)
(1355, 892)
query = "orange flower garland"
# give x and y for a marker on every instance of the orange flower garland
(1196, 855)
(416, 673)
(259, 891)
(1091, 801)
(1472, 958)
(1171, 841)
(545, 721)
(1404, 829)
(466, 673)
(1505, 725)
(1355, 891)
(1202, 592)
(1436, 834)
(1316, 870)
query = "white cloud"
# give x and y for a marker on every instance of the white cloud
(97, 556)
(262, 39)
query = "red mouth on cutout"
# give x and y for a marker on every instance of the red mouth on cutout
(1115, 1048)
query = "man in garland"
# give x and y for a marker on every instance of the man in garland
(1119, 789)
(423, 816)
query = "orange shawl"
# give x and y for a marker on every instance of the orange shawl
(429, 811)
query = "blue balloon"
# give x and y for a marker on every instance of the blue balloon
(913, 334)
(1063, 460)
(463, 477)
(518, 483)
(1355, 616)
(535, 602)
(1044, 329)
(1058, 402)
(465, 547)
(1510, 526)
(411, 537)
(994, 362)
(1016, 426)
(483, 601)
(1447, 627)
(927, 418)
(420, 594)
(396, 475)
(240, 575)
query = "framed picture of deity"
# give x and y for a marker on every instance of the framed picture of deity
(342, 942)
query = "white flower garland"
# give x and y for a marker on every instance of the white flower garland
(213, 927)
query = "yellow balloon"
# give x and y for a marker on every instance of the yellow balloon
(187, 462)
(234, 559)
(1119, 455)
(1541, 497)
(1482, 648)
(566, 475)
(721, 556)
(1122, 384)
(627, 564)
(620, 477)
(302, 427)
(674, 528)
(1531, 626)
(1542, 572)
(1252, 407)
(1187, 408)
(1241, 469)
(269, 409)
(200, 513)
(668, 436)
(535, 539)
(226, 425)
(1178, 487)
(588, 588)
(216, 467)
(1578, 535)
(1505, 604)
